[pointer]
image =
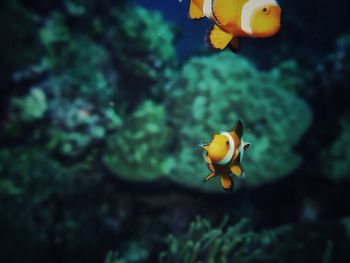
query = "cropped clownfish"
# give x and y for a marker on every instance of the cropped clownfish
(224, 155)
(237, 18)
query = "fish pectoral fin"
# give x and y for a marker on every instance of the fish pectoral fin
(234, 45)
(238, 129)
(211, 167)
(210, 176)
(246, 146)
(218, 38)
(226, 182)
(236, 170)
(224, 11)
(195, 12)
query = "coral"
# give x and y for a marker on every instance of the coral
(138, 152)
(76, 125)
(289, 76)
(328, 96)
(18, 25)
(74, 72)
(75, 63)
(30, 107)
(336, 158)
(53, 32)
(211, 93)
(31, 180)
(44, 204)
(78, 84)
(147, 36)
(237, 243)
(346, 224)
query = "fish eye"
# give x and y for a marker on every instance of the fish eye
(266, 10)
(227, 142)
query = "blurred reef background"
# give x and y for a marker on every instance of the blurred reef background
(103, 104)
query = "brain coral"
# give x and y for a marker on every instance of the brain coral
(211, 93)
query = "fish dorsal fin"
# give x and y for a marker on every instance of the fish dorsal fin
(195, 11)
(224, 11)
(218, 38)
(234, 45)
(238, 129)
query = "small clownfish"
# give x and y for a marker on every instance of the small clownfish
(237, 18)
(224, 155)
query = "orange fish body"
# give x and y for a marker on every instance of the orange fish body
(224, 155)
(237, 18)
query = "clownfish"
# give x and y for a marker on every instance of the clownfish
(224, 155)
(237, 18)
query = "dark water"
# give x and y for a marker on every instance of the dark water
(104, 104)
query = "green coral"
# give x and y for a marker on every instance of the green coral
(17, 26)
(289, 76)
(77, 125)
(29, 181)
(138, 151)
(147, 36)
(85, 72)
(336, 159)
(211, 93)
(54, 31)
(30, 107)
(44, 200)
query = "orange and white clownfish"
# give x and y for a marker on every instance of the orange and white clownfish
(237, 18)
(224, 155)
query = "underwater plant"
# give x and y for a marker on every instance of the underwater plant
(203, 243)
(135, 253)
(240, 243)
(216, 91)
(222, 244)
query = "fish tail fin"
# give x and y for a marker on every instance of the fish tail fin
(227, 182)
(195, 11)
